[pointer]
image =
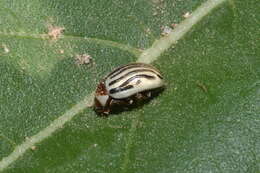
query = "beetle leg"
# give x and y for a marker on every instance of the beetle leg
(148, 94)
(139, 96)
(120, 102)
(143, 95)
(106, 112)
(106, 108)
(130, 101)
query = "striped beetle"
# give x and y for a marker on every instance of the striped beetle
(126, 85)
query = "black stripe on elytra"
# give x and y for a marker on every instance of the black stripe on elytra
(121, 69)
(131, 72)
(124, 86)
(116, 90)
(136, 76)
(159, 75)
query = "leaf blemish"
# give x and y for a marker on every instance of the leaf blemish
(23, 64)
(5, 48)
(61, 51)
(55, 32)
(166, 30)
(83, 59)
(187, 15)
(202, 86)
(33, 148)
(159, 7)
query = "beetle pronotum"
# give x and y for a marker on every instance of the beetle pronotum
(126, 85)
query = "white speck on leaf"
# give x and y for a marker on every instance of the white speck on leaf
(33, 148)
(83, 59)
(6, 49)
(186, 15)
(54, 32)
(174, 25)
(61, 51)
(166, 30)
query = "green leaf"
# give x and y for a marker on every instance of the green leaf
(207, 119)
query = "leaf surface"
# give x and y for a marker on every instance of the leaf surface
(207, 119)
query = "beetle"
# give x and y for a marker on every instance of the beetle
(127, 85)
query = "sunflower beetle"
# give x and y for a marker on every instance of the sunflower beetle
(126, 85)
